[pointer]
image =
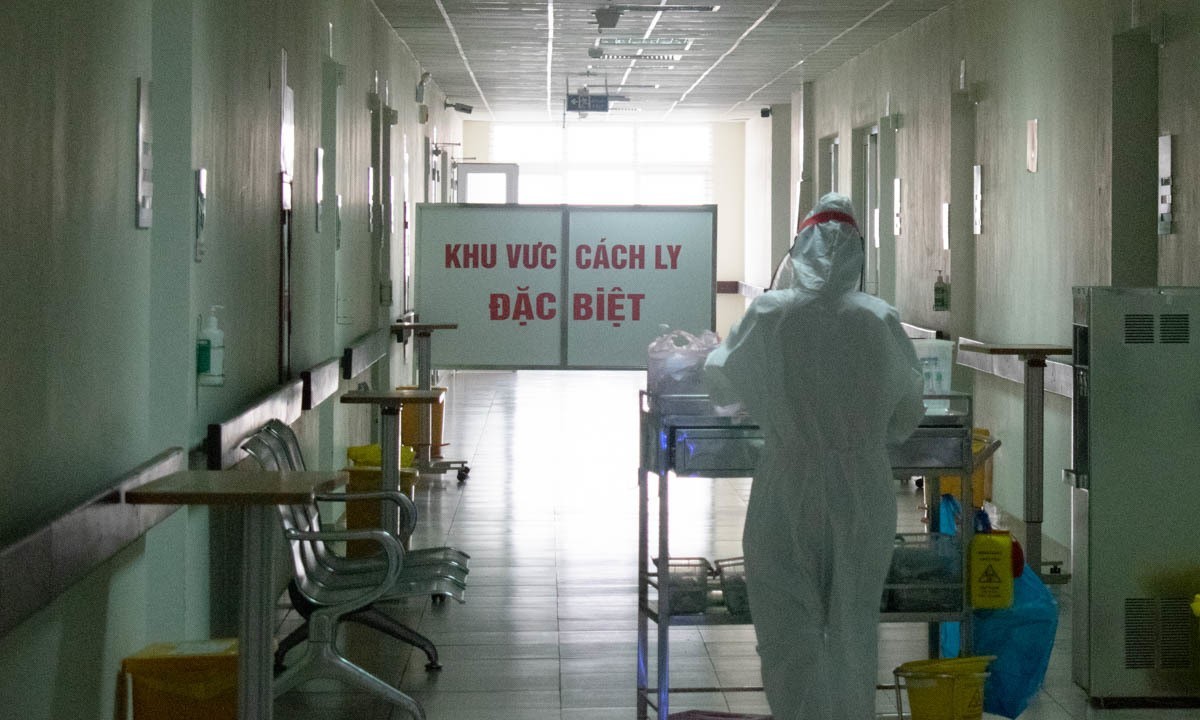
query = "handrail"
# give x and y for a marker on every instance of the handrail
(320, 383)
(46, 563)
(920, 333)
(222, 444)
(365, 352)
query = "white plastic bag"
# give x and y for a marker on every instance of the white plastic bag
(675, 365)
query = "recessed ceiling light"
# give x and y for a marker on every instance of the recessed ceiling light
(662, 43)
(598, 54)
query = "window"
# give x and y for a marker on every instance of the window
(608, 164)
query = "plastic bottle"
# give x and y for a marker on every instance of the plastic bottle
(941, 293)
(212, 337)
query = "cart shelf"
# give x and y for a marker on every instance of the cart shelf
(685, 435)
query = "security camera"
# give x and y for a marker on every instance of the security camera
(463, 108)
(765, 112)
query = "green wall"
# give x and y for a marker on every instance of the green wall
(1043, 232)
(97, 366)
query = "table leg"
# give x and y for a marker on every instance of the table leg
(389, 444)
(1035, 367)
(643, 674)
(664, 600)
(255, 674)
(423, 360)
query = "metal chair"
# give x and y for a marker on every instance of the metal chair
(329, 605)
(286, 449)
(317, 566)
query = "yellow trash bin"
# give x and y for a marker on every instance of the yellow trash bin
(182, 681)
(981, 479)
(944, 689)
(410, 424)
(366, 475)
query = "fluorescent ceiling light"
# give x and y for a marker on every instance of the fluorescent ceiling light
(598, 54)
(659, 43)
(644, 56)
(661, 8)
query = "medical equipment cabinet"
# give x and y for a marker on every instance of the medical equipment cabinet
(1135, 549)
(684, 436)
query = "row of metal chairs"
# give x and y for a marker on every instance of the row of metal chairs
(327, 587)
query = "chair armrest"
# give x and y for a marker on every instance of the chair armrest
(357, 596)
(408, 509)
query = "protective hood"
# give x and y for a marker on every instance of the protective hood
(827, 255)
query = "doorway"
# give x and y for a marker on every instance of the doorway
(865, 185)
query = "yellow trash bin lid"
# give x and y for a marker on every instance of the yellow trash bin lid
(194, 680)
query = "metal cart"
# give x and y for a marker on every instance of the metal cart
(684, 436)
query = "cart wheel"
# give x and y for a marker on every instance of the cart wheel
(438, 599)
(463, 472)
(432, 665)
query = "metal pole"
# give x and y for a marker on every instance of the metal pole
(424, 358)
(256, 695)
(643, 630)
(1035, 366)
(389, 443)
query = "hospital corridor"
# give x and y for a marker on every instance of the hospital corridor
(599, 360)
(550, 519)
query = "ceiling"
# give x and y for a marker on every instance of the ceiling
(520, 59)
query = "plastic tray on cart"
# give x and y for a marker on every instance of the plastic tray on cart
(691, 436)
(689, 584)
(732, 574)
(925, 575)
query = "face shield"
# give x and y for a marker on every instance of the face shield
(828, 252)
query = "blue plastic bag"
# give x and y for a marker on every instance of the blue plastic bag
(949, 633)
(1021, 637)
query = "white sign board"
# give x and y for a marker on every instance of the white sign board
(559, 286)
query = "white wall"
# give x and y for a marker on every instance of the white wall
(757, 193)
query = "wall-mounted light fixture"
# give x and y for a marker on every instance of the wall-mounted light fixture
(421, 87)
(607, 17)
(463, 108)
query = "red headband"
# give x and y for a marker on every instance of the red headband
(827, 216)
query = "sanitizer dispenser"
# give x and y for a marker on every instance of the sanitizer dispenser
(210, 351)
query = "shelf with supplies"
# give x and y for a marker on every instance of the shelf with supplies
(685, 436)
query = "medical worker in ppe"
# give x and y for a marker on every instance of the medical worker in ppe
(832, 379)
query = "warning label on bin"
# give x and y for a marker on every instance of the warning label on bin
(989, 575)
(976, 702)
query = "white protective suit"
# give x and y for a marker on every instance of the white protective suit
(830, 376)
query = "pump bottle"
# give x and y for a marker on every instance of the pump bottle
(212, 340)
(941, 293)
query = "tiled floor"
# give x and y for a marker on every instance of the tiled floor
(549, 516)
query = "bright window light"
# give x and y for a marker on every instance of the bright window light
(600, 144)
(540, 188)
(601, 187)
(608, 163)
(674, 144)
